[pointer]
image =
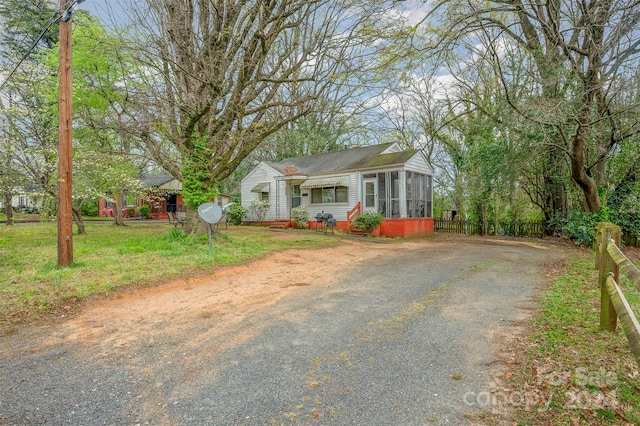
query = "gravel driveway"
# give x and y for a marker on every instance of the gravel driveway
(366, 333)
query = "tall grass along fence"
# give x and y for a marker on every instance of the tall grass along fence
(610, 261)
(511, 228)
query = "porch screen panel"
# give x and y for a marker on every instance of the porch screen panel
(429, 197)
(395, 195)
(382, 194)
(424, 210)
(409, 187)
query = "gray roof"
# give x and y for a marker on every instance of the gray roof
(368, 157)
(156, 180)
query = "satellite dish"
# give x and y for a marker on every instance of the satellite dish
(210, 213)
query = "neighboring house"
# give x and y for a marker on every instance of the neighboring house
(168, 199)
(383, 178)
(27, 199)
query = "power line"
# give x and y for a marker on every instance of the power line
(52, 21)
(58, 15)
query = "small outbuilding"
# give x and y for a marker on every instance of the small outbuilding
(386, 179)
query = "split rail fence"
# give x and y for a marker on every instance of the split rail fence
(610, 261)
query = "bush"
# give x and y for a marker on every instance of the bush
(131, 211)
(300, 216)
(236, 213)
(368, 221)
(145, 213)
(258, 210)
(89, 209)
(579, 226)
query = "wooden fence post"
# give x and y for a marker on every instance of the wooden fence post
(606, 265)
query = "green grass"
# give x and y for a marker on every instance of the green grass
(109, 257)
(575, 373)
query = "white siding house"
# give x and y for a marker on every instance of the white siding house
(26, 199)
(380, 178)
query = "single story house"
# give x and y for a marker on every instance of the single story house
(26, 199)
(386, 178)
(168, 200)
(171, 202)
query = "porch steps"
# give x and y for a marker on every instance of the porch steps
(356, 231)
(280, 224)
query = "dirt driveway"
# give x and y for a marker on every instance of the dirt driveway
(362, 333)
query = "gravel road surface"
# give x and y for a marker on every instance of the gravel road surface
(366, 333)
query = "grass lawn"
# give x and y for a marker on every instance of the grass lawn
(109, 257)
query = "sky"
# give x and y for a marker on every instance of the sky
(104, 9)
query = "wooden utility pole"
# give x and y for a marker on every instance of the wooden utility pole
(65, 224)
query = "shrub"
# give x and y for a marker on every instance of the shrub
(300, 216)
(236, 213)
(258, 210)
(131, 211)
(368, 221)
(89, 209)
(145, 212)
(579, 226)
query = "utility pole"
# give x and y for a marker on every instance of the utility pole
(65, 141)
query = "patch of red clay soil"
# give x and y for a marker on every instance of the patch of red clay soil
(224, 299)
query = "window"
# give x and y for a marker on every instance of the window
(295, 196)
(131, 201)
(328, 195)
(264, 196)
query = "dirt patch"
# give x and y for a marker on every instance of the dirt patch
(632, 253)
(229, 296)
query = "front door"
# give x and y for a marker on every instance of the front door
(370, 196)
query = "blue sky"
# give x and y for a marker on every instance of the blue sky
(104, 9)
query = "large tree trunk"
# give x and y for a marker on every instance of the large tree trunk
(581, 177)
(117, 210)
(555, 191)
(7, 204)
(75, 212)
(579, 171)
